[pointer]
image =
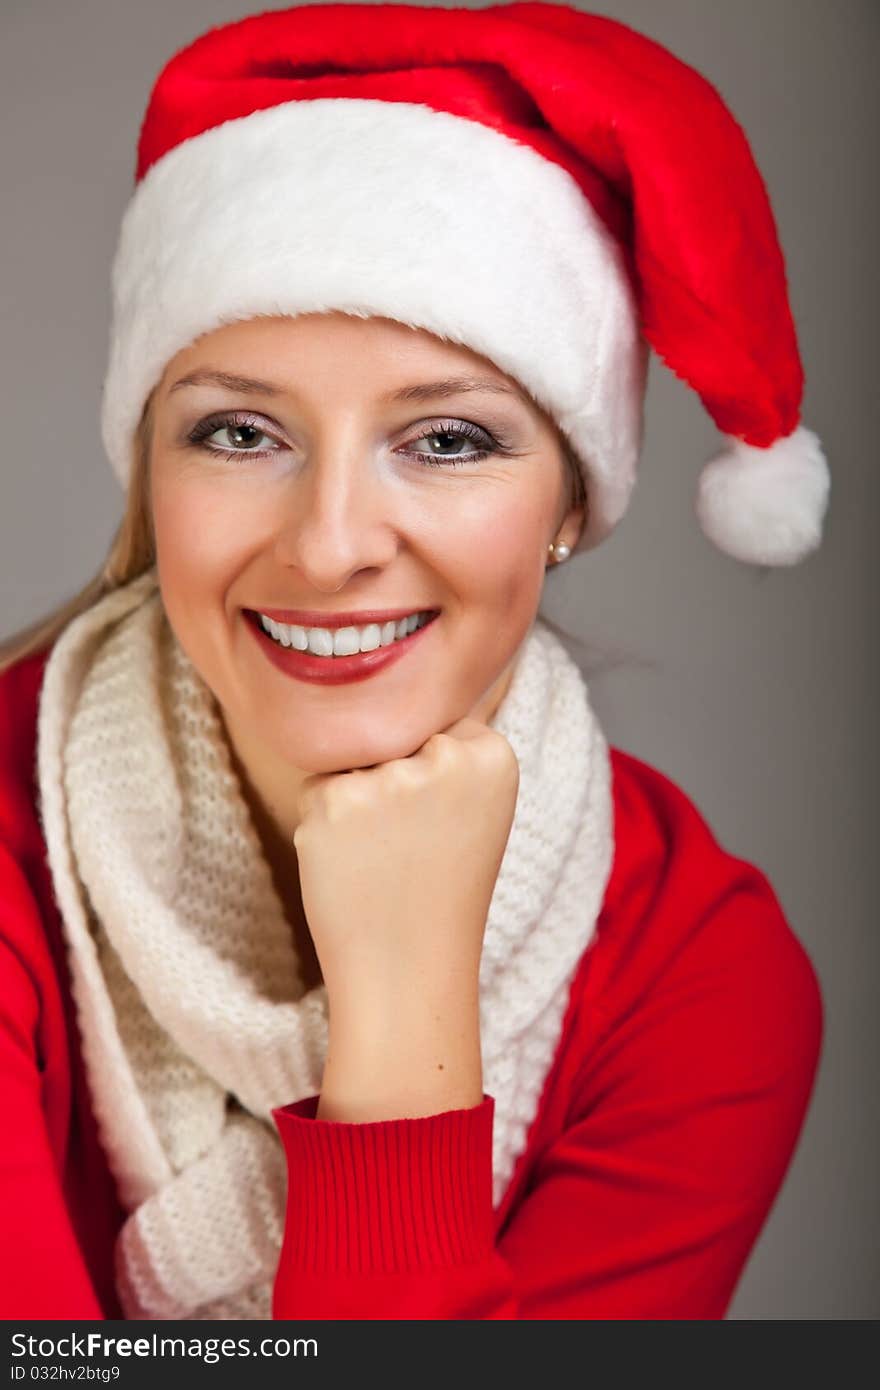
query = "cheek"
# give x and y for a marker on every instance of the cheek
(497, 549)
(204, 539)
(203, 532)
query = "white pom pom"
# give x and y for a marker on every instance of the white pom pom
(765, 506)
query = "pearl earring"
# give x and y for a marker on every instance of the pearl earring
(559, 552)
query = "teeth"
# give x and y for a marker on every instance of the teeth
(343, 641)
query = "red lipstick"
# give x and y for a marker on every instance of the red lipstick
(333, 670)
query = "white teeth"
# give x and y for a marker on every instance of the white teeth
(370, 637)
(320, 641)
(346, 642)
(343, 641)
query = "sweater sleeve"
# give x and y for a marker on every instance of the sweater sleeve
(42, 1270)
(686, 1115)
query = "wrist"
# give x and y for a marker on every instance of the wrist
(371, 1001)
(409, 1057)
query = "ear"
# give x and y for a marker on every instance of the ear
(571, 525)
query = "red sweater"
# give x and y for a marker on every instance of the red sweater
(667, 1122)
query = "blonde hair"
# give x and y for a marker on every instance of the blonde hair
(133, 550)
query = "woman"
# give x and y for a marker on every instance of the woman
(347, 971)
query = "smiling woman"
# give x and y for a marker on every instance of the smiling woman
(342, 504)
(133, 548)
(349, 496)
(377, 985)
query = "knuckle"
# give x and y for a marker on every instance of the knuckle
(341, 796)
(438, 745)
(503, 757)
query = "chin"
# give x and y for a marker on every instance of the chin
(326, 754)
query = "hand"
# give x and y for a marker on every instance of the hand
(398, 863)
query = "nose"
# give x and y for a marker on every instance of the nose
(339, 516)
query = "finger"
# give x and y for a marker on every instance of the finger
(465, 728)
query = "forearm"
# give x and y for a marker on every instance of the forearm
(402, 1053)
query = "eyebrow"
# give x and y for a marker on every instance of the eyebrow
(419, 391)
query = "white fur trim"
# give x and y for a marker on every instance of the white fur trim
(386, 209)
(766, 506)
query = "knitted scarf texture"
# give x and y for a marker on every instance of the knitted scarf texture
(193, 1018)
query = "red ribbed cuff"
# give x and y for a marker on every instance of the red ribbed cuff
(389, 1195)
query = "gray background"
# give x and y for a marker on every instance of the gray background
(752, 690)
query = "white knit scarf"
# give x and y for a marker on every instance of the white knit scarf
(193, 1018)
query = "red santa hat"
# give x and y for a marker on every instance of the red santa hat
(549, 188)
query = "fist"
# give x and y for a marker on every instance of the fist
(398, 863)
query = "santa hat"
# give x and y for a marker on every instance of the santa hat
(546, 187)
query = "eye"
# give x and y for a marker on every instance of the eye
(243, 433)
(451, 433)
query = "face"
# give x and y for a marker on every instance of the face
(346, 482)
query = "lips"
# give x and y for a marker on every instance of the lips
(333, 670)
